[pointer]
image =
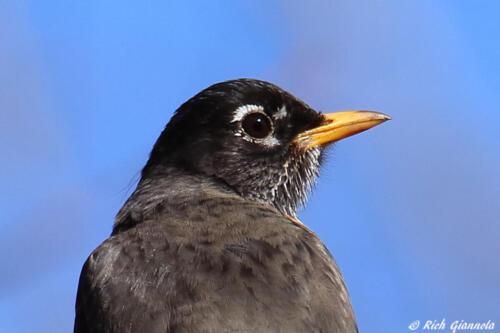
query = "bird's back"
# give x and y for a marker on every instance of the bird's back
(216, 264)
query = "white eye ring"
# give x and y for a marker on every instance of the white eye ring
(240, 113)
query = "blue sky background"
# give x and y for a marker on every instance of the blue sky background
(409, 209)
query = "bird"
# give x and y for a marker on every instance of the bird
(210, 240)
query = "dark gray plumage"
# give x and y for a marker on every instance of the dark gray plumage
(209, 242)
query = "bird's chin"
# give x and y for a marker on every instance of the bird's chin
(298, 178)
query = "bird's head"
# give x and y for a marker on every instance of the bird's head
(256, 138)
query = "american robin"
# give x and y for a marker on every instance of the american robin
(209, 241)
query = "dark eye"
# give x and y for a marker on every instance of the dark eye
(257, 125)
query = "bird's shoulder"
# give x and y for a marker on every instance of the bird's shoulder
(216, 261)
(216, 226)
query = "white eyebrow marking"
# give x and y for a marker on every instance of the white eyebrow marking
(281, 113)
(243, 110)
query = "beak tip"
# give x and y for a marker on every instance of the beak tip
(381, 116)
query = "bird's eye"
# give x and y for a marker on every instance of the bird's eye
(257, 125)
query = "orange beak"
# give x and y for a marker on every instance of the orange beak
(340, 125)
